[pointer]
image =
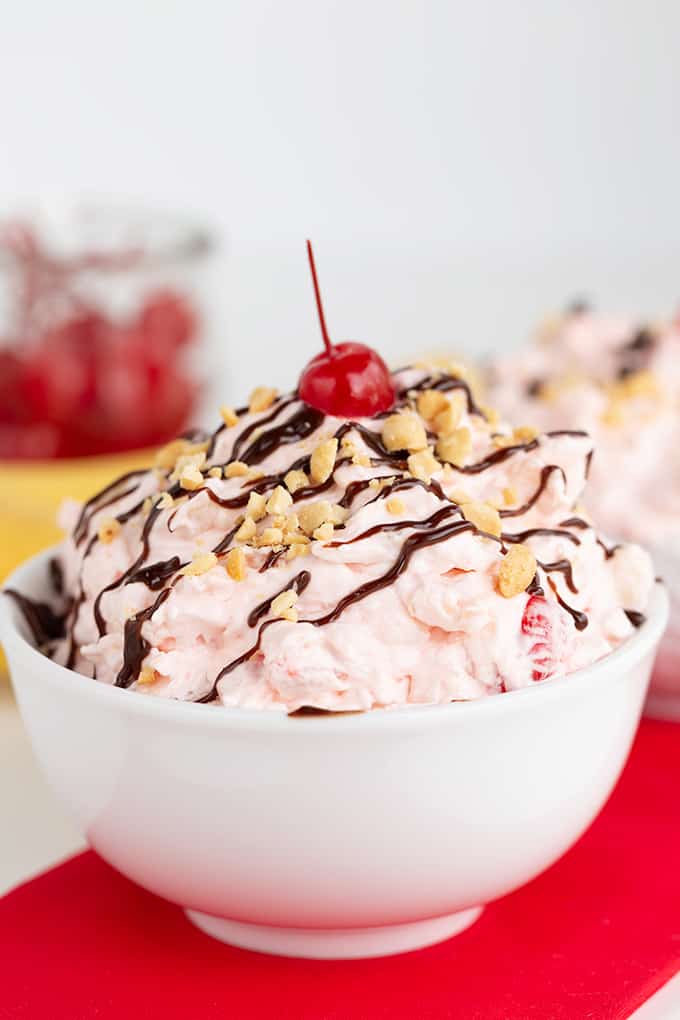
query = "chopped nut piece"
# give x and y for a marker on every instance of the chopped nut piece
(191, 478)
(483, 516)
(237, 469)
(297, 550)
(516, 570)
(168, 455)
(279, 501)
(261, 398)
(613, 415)
(246, 531)
(423, 465)
(324, 532)
(404, 431)
(108, 529)
(361, 460)
(637, 384)
(295, 480)
(455, 447)
(449, 419)
(374, 483)
(147, 676)
(338, 514)
(322, 461)
(215, 472)
(236, 564)
(229, 415)
(525, 434)
(459, 496)
(200, 564)
(187, 460)
(291, 524)
(295, 538)
(271, 536)
(283, 603)
(395, 506)
(257, 506)
(312, 515)
(502, 441)
(430, 403)
(509, 496)
(165, 502)
(491, 414)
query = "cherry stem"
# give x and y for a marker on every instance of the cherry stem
(319, 305)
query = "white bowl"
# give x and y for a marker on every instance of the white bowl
(663, 698)
(331, 836)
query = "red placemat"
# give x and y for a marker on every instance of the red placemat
(593, 937)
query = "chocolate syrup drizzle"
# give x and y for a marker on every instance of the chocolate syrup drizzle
(252, 446)
(298, 585)
(45, 625)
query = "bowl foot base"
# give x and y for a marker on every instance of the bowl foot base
(336, 944)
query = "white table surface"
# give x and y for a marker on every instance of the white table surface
(35, 834)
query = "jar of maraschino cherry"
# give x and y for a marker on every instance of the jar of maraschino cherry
(101, 317)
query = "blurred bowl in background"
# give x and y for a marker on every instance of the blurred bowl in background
(102, 316)
(103, 313)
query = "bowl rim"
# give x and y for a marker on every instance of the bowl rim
(631, 651)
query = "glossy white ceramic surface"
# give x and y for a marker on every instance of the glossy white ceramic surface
(304, 835)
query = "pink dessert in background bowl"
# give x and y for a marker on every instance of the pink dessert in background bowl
(333, 683)
(621, 381)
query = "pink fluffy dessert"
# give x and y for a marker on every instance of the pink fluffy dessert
(294, 560)
(621, 382)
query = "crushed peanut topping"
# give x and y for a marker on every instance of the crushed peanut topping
(247, 530)
(228, 415)
(509, 496)
(517, 570)
(108, 529)
(279, 501)
(295, 538)
(313, 515)
(483, 516)
(395, 506)
(147, 676)
(262, 398)
(215, 472)
(455, 447)
(200, 564)
(322, 461)
(423, 465)
(270, 536)
(295, 480)
(237, 469)
(403, 431)
(296, 550)
(191, 478)
(165, 501)
(168, 455)
(491, 414)
(614, 414)
(525, 434)
(235, 563)
(459, 496)
(450, 417)
(283, 605)
(257, 506)
(430, 403)
(324, 533)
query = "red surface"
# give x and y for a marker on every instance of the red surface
(592, 938)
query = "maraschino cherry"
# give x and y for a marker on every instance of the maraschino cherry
(347, 380)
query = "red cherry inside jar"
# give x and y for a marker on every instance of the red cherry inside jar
(347, 380)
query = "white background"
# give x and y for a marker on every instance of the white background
(462, 167)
